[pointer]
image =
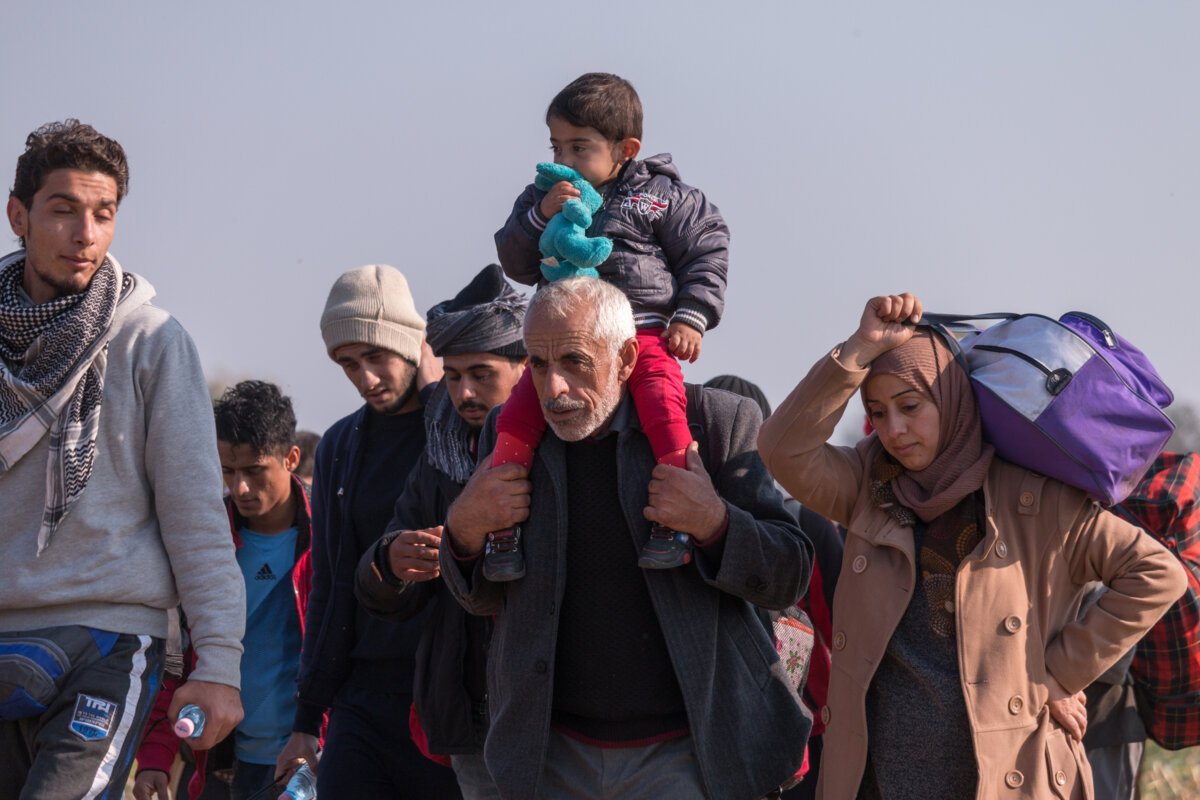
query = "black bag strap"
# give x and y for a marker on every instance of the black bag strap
(952, 328)
(950, 319)
(693, 393)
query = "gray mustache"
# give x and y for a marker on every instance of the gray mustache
(563, 404)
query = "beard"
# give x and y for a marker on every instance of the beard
(471, 405)
(402, 400)
(582, 426)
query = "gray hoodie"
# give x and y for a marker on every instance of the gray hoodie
(150, 527)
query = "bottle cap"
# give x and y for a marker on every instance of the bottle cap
(184, 728)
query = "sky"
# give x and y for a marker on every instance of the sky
(1017, 156)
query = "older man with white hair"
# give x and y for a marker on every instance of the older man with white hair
(608, 680)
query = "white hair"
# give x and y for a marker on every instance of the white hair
(614, 316)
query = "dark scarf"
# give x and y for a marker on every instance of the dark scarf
(449, 440)
(52, 362)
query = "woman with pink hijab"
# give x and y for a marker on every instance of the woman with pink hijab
(959, 659)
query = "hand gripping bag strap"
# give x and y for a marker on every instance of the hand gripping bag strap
(1166, 662)
(1069, 399)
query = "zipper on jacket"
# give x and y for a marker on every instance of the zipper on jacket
(1056, 379)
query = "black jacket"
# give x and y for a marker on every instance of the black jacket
(334, 623)
(670, 244)
(450, 684)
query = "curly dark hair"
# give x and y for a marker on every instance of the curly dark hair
(67, 145)
(257, 414)
(307, 441)
(602, 101)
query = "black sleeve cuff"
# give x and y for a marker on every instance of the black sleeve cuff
(308, 718)
(382, 568)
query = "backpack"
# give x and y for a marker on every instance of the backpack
(1066, 398)
(1166, 662)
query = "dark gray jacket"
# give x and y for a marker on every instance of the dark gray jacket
(747, 724)
(670, 244)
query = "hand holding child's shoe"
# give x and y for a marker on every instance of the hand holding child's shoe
(684, 499)
(494, 499)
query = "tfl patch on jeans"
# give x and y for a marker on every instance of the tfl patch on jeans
(93, 718)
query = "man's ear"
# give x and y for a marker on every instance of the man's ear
(292, 459)
(628, 149)
(627, 357)
(18, 216)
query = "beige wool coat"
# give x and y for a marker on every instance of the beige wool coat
(1017, 596)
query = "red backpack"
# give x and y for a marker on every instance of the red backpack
(1166, 663)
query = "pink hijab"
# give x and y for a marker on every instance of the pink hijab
(925, 363)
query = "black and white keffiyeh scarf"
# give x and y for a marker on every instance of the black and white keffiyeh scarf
(449, 440)
(52, 363)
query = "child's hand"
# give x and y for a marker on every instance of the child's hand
(683, 341)
(559, 193)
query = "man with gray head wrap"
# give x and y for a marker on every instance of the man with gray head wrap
(478, 336)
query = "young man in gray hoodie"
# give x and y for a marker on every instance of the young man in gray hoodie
(110, 482)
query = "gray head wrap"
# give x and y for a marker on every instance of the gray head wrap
(485, 317)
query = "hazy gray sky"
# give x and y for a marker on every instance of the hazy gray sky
(1001, 156)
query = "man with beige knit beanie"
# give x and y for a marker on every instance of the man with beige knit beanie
(357, 667)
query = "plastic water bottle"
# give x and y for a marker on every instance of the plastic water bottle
(302, 786)
(190, 723)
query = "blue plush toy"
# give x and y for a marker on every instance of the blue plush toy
(568, 251)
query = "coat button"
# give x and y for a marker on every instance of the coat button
(1014, 778)
(839, 641)
(1026, 499)
(825, 715)
(859, 564)
(1012, 624)
(1015, 704)
(1060, 778)
(540, 668)
(755, 583)
(1001, 549)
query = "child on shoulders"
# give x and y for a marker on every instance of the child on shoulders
(670, 256)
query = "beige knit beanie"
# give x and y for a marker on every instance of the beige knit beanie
(373, 305)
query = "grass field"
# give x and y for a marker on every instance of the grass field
(1168, 775)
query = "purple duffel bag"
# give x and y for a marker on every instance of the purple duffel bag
(1068, 398)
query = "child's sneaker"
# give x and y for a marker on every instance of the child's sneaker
(665, 549)
(502, 557)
